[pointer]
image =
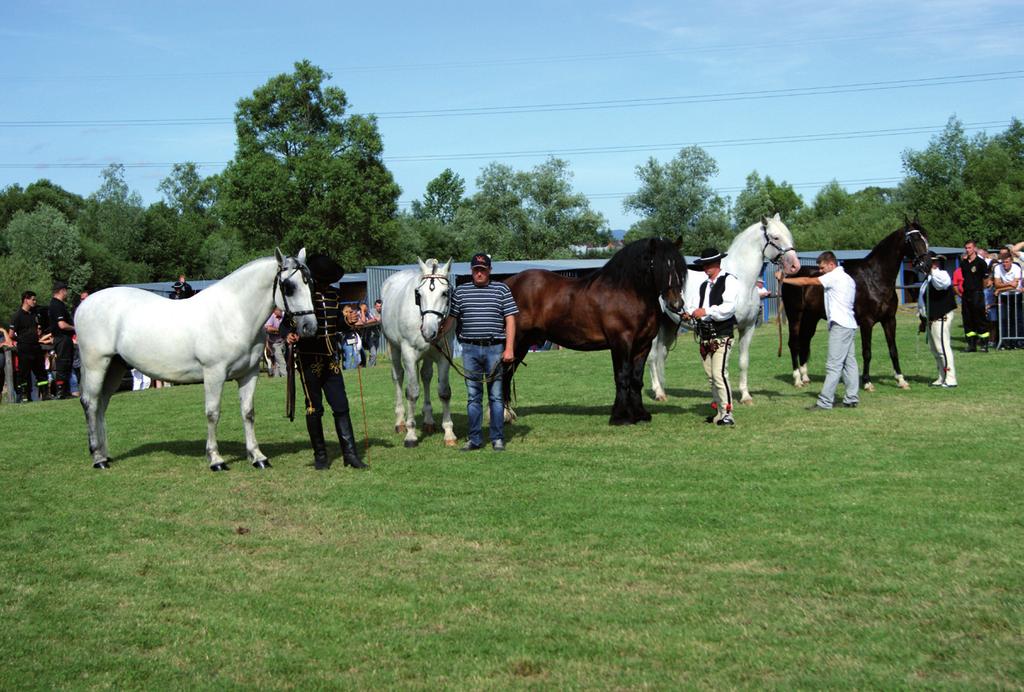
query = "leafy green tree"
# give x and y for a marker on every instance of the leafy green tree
(761, 198)
(676, 199)
(307, 174)
(14, 199)
(113, 218)
(178, 226)
(839, 220)
(45, 237)
(442, 199)
(529, 214)
(21, 274)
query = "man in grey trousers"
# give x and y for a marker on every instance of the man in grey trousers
(840, 293)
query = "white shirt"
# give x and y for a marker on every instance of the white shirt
(727, 308)
(840, 292)
(1008, 277)
(940, 281)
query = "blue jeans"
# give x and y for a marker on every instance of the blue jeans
(479, 362)
(350, 356)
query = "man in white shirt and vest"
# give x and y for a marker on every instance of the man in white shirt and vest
(714, 319)
(938, 305)
(840, 294)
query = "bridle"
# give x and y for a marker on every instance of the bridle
(307, 279)
(918, 258)
(768, 242)
(432, 278)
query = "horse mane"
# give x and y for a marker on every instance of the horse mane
(631, 266)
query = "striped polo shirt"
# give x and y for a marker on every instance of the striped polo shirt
(481, 310)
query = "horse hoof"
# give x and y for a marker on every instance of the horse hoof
(661, 397)
(451, 443)
(261, 464)
(428, 428)
(869, 387)
(747, 401)
(400, 428)
(409, 444)
(219, 467)
(101, 465)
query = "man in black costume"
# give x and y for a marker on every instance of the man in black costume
(320, 365)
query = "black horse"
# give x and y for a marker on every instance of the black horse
(616, 308)
(876, 302)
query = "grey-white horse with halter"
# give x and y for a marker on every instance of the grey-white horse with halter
(769, 240)
(415, 303)
(214, 336)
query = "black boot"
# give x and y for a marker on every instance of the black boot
(315, 426)
(972, 342)
(983, 344)
(24, 395)
(60, 391)
(349, 449)
(44, 391)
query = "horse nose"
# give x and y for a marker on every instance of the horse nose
(308, 327)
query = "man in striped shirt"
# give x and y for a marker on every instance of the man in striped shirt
(486, 312)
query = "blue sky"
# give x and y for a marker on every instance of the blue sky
(604, 85)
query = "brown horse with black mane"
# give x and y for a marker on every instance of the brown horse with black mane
(876, 302)
(618, 307)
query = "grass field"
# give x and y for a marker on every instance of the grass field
(878, 547)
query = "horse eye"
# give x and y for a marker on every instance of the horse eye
(287, 287)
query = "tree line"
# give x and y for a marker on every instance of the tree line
(308, 173)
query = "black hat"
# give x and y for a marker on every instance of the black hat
(708, 255)
(936, 257)
(323, 269)
(481, 259)
(58, 285)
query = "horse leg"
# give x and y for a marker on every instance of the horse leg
(659, 354)
(889, 327)
(636, 388)
(794, 350)
(246, 392)
(806, 334)
(398, 378)
(746, 336)
(444, 393)
(865, 347)
(96, 391)
(426, 375)
(508, 371)
(622, 371)
(412, 393)
(213, 385)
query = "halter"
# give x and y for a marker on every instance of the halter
(432, 278)
(301, 269)
(906, 238)
(768, 242)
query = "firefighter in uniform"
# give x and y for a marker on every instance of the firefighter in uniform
(974, 269)
(25, 329)
(62, 329)
(939, 306)
(320, 364)
(714, 319)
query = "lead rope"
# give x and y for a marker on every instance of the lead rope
(362, 401)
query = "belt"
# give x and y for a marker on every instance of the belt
(481, 342)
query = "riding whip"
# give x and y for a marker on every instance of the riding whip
(289, 397)
(366, 430)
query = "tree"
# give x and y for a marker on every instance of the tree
(14, 199)
(442, 199)
(529, 214)
(761, 198)
(113, 217)
(307, 174)
(839, 220)
(46, 238)
(676, 199)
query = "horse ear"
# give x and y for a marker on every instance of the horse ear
(424, 269)
(301, 256)
(764, 220)
(906, 221)
(679, 242)
(447, 266)
(280, 257)
(777, 217)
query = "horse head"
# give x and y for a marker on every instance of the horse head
(668, 270)
(433, 293)
(778, 244)
(915, 245)
(293, 292)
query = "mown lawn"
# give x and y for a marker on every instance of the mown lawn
(875, 547)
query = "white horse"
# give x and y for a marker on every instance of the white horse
(215, 336)
(768, 240)
(415, 303)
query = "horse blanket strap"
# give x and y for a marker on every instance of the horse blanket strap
(289, 400)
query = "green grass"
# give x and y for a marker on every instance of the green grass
(876, 547)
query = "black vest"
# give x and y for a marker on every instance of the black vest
(937, 304)
(723, 328)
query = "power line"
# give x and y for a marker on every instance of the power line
(855, 87)
(754, 141)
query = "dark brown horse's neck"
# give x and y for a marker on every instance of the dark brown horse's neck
(887, 255)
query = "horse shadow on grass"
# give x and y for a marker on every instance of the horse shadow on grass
(234, 452)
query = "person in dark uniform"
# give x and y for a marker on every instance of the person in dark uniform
(319, 361)
(974, 269)
(62, 329)
(714, 321)
(181, 289)
(26, 331)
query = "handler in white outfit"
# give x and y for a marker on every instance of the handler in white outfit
(938, 304)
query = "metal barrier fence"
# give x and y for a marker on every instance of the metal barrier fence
(1010, 319)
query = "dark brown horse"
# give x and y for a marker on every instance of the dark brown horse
(876, 302)
(617, 307)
